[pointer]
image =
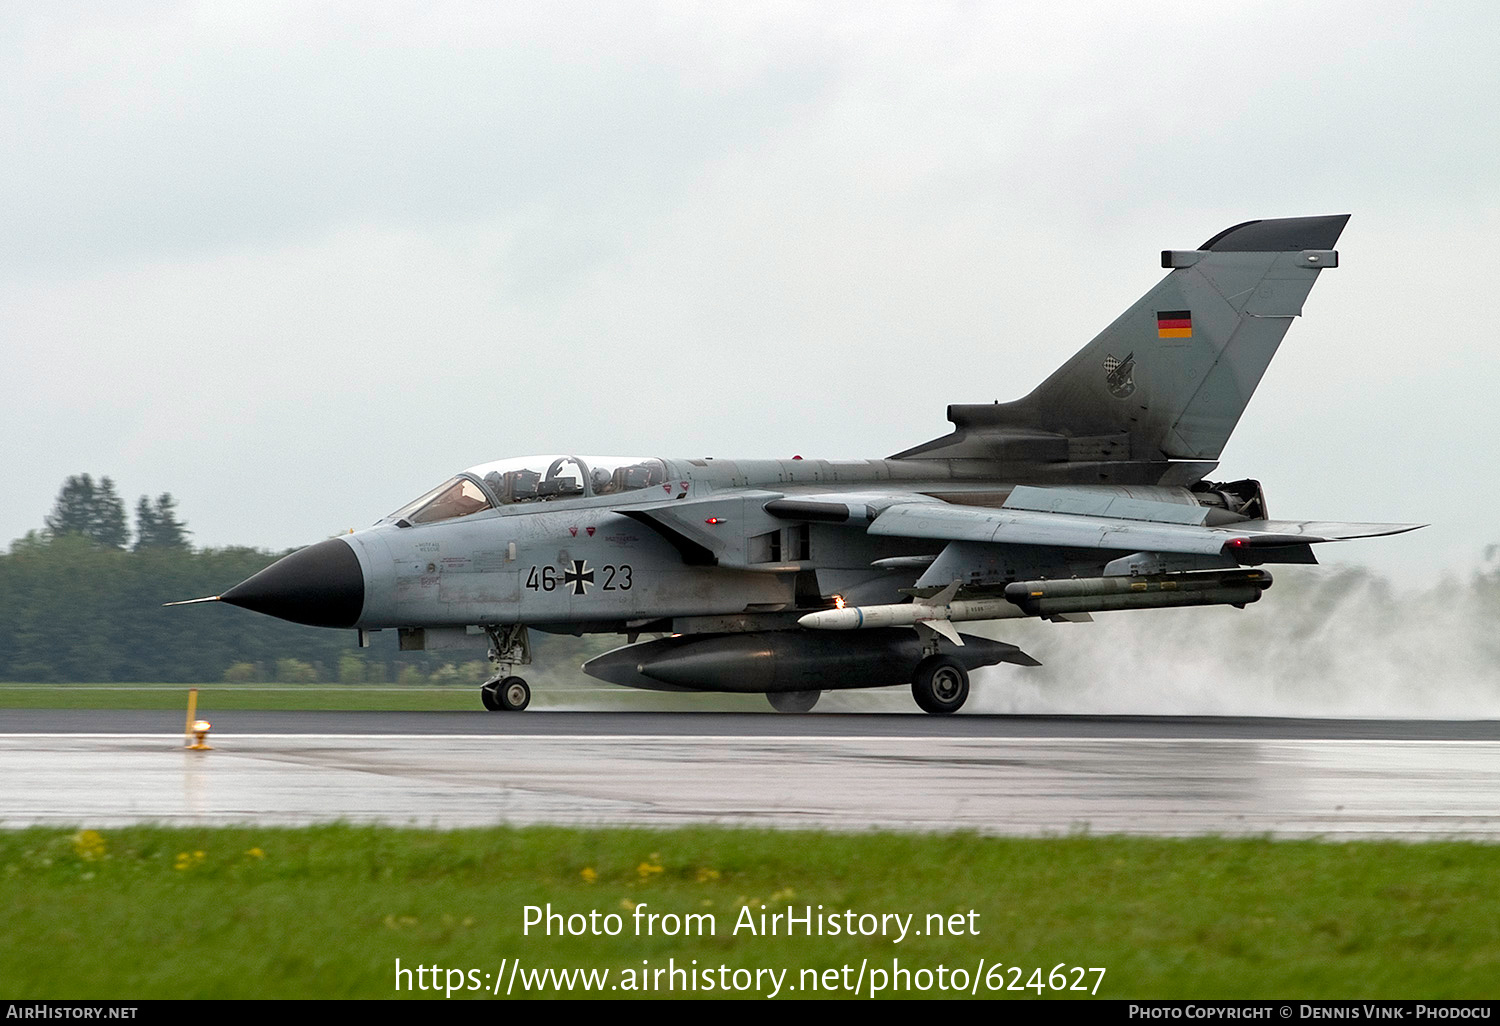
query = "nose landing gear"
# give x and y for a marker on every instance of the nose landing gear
(510, 646)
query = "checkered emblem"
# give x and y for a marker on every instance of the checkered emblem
(1118, 375)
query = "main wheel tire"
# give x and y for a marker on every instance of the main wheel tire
(793, 701)
(940, 685)
(514, 694)
(490, 699)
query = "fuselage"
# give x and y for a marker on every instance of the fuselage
(616, 543)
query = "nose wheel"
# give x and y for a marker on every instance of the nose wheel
(509, 694)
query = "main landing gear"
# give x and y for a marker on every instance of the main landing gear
(940, 685)
(508, 694)
(509, 647)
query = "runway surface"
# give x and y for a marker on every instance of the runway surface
(991, 774)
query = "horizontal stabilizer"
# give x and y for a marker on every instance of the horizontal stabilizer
(1296, 532)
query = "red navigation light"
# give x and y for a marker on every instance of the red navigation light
(714, 520)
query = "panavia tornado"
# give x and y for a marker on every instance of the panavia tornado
(791, 577)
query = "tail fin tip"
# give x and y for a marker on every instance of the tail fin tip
(1279, 235)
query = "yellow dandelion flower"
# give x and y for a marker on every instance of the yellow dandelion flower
(88, 845)
(588, 874)
(706, 875)
(256, 853)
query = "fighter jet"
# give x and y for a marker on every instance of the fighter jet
(792, 577)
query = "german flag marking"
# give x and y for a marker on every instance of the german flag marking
(1174, 324)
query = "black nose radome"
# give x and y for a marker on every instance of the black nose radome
(321, 586)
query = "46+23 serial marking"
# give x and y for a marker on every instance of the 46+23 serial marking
(579, 577)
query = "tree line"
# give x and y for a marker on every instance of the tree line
(81, 601)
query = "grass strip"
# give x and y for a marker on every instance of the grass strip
(147, 912)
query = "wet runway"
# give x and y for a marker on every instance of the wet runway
(995, 775)
(569, 722)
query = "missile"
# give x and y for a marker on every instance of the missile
(937, 613)
(1051, 598)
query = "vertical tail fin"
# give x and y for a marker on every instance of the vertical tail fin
(1171, 376)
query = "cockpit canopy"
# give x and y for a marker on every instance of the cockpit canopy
(531, 479)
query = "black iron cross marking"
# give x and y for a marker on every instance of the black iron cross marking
(580, 577)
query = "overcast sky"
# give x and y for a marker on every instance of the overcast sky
(297, 263)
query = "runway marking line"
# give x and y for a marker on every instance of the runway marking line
(760, 738)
